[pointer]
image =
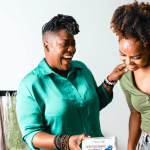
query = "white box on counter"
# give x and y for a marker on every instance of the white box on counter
(100, 143)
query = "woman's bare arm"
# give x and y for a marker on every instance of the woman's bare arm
(134, 129)
(44, 140)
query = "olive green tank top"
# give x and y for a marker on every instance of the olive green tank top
(136, 99)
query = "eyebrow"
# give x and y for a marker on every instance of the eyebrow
(131, 56)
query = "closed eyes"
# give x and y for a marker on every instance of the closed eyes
(67, 44)
(132, 57)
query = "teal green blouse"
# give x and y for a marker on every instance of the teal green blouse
(136, 100)
(48, 102)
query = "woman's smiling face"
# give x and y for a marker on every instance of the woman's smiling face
(133, 53)
(61, 48)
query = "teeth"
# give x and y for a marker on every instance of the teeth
(67, 56)
(130, 66)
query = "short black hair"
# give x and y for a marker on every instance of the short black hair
(61, 22)
(132, 21)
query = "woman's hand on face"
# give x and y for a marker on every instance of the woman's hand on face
(117, 73)
(75, 141)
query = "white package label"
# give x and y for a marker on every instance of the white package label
(100, 143)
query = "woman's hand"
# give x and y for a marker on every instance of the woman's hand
(75, 141)
(117, 73)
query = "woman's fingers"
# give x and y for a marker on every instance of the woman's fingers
(121, 72)
(120, 67)
(78, 148)
(75, 141)
(84, 136)
(117, 72)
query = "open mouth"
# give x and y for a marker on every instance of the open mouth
(67, 58)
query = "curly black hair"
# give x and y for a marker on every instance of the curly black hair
(61, 22)
(132, 21)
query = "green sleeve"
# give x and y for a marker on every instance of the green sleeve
(104, 97)
(29, 117)
(127, 94)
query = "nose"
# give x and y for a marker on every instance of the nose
(72, 49)
(128, 61)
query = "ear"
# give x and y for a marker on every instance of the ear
(45, 45)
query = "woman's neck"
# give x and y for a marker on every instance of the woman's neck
(62, 73)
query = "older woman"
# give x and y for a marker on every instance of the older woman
(58, 103)
(132, 25)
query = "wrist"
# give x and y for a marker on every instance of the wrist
(108, 82)
(62, 141)
(109, 89)
(110, 78)
(70, 142)
(130, 147)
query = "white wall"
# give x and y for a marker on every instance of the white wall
(97, 46)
